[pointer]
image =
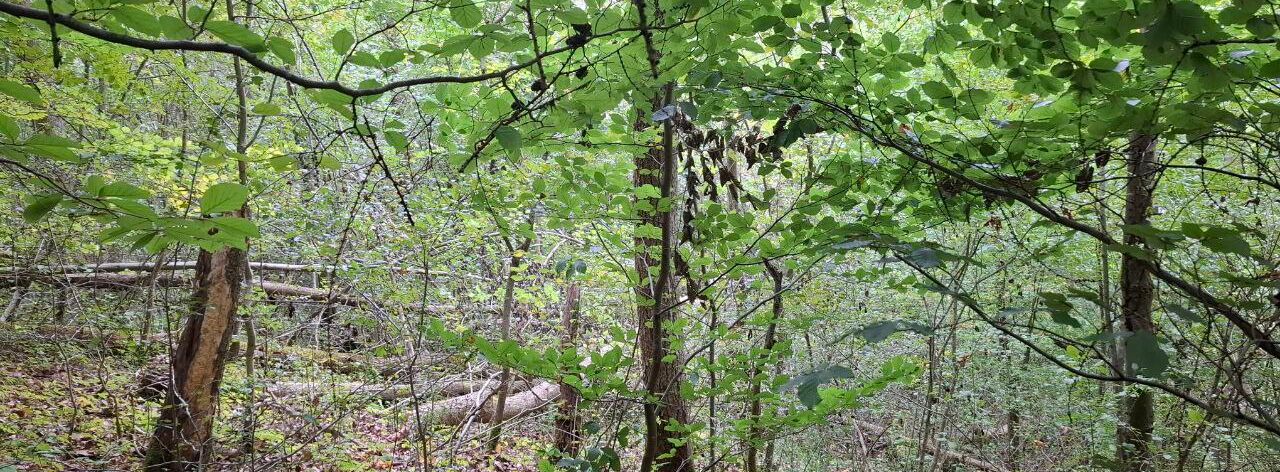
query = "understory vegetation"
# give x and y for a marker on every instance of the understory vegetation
(644, 235)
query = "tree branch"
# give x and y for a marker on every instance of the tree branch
(257, 61)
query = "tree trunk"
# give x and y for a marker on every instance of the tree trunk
(568, 424)
(508, 305)
(770, 340)
(183, 437)
(1136, 292)
(665, 411)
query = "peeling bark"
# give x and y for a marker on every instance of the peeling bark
(184, 433)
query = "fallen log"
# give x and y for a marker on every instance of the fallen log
(108, 281)
(482, 404)
(191, 265)
(382, 391)
(119, 281)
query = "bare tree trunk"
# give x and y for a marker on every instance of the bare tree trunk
(770, 340)
(568, 423)
(508, 305)
(183, 436)
(1136, 292)
(60, 305)
(14, 303)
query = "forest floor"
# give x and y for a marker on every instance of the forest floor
(74, 401)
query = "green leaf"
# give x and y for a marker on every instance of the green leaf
(197, 14)
(807, 384)
(1184, 313)
(93, 184)
(1129, 250)
(364, 59)
(342, 42)
(509, 138)
(266, 109)
(924, 257)
(331, 98)
(1142, 349)
(1059, 308)
(574, 15)
(1225, 240)
(330, 162)
(132, 207)
(138, 20)
(41, 206)
(396, 139)
(890, 41)
(335, 100)
(123, 190)
(283, 49)
(1085, 294)
(237, 35)
(466, 14)
(1154, 237)
(21, 92)
(143, 240)
(1270, 70)
(791, 10)
(174, 28)
(283, 163)
(391, 58)
(223, 197)
(881, 330)
(936, 90)
(53, 147)
(239, 226)
(9, 127)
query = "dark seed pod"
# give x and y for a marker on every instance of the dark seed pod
(1084, 178)
(1101, 158)
(581, 34)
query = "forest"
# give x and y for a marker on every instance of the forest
(640, 235)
